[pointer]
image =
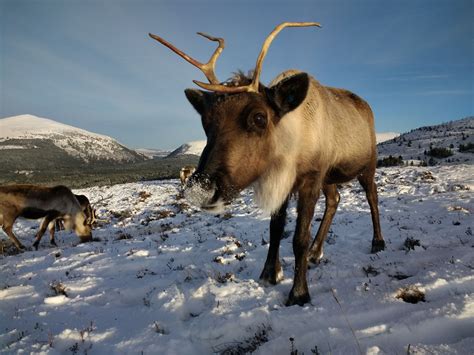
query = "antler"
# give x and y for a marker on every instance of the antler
(206, 68)
(253, 86)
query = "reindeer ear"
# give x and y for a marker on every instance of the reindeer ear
(199, 99)
(289, 93)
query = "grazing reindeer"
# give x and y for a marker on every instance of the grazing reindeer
(58, 223)
(33, 202)
(295, 136)
(185, 173)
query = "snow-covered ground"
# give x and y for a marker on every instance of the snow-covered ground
(168, 279)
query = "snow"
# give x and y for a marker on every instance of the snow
(29, 126)
(152, 153)
(385, 136)
(74, 141)
(12, 146)
(194, 147)
(167, 278)
(413, 145)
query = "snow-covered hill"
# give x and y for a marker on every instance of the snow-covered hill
(191, 148)
(166, 278)
(451, 135)
(385, 136)
(22, 132)
(152, 153)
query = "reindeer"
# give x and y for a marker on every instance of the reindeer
(294, 136)
(185, 173)
(33, 202)
(58, 223)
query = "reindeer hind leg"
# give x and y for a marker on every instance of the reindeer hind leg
(52, 230)
(44, 225)
(368, 183)
(42, 229)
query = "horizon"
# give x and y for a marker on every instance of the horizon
(381, 136)
(91, 65)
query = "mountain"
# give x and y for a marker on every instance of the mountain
(151, 153)
(30, 142)
(385, 136)
(434, 143)
(190, 148)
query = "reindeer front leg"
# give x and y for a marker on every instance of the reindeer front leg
(7, 225)
(332, 200)
(43, 226)
(272, 273)
(307, 197)
(8, 229)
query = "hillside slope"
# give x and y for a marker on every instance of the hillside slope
(30, 142)
(190, 148)
(451, 135)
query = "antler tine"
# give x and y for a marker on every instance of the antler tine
(266, 45)
(253, 86)
(206, 68)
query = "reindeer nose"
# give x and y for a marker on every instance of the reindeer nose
(199, 190)
(203, 180)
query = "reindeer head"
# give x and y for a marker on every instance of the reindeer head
(78, 222)
(240, 122)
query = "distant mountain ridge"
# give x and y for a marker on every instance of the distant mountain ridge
(151, 153)
(417, 143)
(30, 142)
(189, 148)
(385, 136)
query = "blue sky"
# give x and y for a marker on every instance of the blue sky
(91, 64)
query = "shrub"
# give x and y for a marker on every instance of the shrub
(390, 161)
(469, 147)
(440, 152)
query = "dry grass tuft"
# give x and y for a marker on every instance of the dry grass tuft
(411, 294)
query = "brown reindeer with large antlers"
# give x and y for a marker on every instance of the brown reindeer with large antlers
(295, 136)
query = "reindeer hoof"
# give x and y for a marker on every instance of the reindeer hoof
(315, 258)
(86, 239)
(271, 276)
(300, 300)
(21, 248)
(53, 243)
(35, 245)
(377, 245)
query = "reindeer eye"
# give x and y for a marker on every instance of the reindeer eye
(260, 120)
